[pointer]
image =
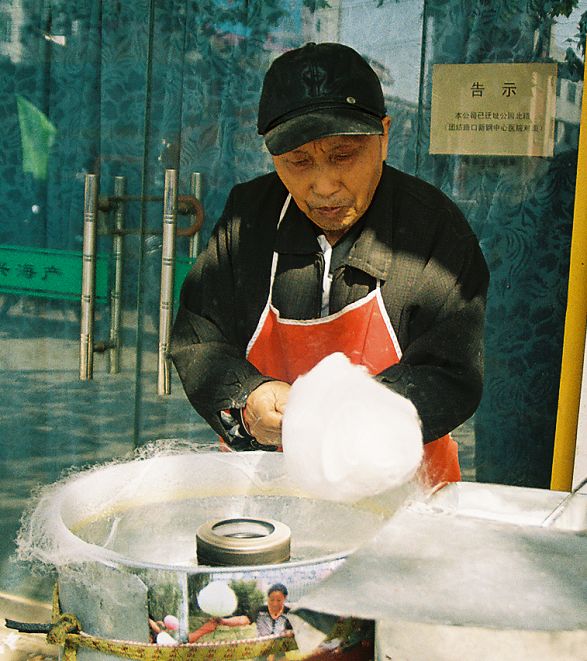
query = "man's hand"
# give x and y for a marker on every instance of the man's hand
(264, 411)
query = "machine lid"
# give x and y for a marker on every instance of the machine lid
(453, 570)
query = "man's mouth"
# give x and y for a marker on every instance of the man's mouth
(330, 212)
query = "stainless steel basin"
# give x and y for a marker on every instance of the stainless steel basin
(509, 504)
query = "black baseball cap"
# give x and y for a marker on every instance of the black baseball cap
(316, 91)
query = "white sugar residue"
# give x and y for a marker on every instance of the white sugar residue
(346, 436)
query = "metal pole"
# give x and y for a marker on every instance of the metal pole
(167, 277)
(116, 293)
(569, 401)
(196, 190)
(88, 278)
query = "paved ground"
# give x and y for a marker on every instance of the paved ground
(15, 646)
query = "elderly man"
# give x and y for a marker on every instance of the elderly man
(334, 251)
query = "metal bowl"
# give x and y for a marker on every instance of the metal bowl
(122, 537)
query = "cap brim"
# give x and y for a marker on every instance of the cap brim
(317, 124)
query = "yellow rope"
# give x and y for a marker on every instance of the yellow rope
(237, 649)
(66, 624)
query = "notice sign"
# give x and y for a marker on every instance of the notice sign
(493, 109)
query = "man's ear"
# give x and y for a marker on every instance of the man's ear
(386, 121)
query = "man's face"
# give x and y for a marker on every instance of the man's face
(333, 180)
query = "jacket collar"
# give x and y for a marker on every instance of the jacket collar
(370, 252)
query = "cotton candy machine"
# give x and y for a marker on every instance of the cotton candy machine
(472, 571)
(124, 541)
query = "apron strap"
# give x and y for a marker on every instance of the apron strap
(274, 259)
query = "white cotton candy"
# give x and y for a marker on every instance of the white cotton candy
(346, 436)
(164, 638)
(217, 599)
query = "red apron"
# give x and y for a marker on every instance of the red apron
(285, 349)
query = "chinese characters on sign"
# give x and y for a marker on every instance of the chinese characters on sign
(48, 273)
(28, 271)
(493, 109)
(16, 271)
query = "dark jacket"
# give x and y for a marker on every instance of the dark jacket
(414, 240)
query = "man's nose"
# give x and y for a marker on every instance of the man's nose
(326, 181)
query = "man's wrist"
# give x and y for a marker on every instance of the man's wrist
(243, 419)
